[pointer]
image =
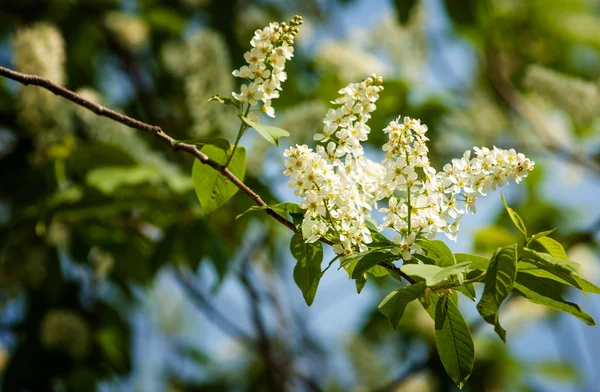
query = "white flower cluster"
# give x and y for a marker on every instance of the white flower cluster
(339, 185)
(271, 47)
(434, 202)
(339, 194)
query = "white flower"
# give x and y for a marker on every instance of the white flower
(340, 187)
(271, 47)
(405, 246)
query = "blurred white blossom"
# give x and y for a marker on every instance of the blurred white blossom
(207, 64)
(40, 50)
(130, 30)
(580, 98)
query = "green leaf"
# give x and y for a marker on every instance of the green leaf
(423, 258)
(434, 274)
(438, 251)
(553, 247)
(270, 133)
(468, 290)
(394, 304)
(212, 188)
(582, 284)
(452, 339)
(532, 260)
(109, 179)
(220, 142)
(546, 292)
(367, 262)
(224, 100)
(457, 270)
(516, 219)
(361, 281)
(478, 263)
(499, 281)
(281, 208)
(541, 234)
(307, 272)
(425, 271)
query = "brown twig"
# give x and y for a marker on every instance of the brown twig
(156, 131)
(100, 110)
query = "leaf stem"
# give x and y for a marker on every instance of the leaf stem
(243, 127)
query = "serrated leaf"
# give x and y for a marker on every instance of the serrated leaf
(553, 247)
(541, 234)
(270, 133)
(457, 270)
(307, 272)
(583, 285)
(220, 142)
(438, 251)
(546, 292)
(453, 339)
(425, 271)
(394, 304)
(514, 217)
(367, 262)
(531, 259)
(499, 281)
(478, 263)
(212, 188)
(434, 274)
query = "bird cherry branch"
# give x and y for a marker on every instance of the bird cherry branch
(100, 110)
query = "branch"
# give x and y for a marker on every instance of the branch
(156, 131)
(100, 110)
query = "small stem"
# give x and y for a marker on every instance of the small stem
(243, 127)
(442, 285)
(331, 263)
(408, 199)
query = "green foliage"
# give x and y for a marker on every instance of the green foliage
(452, 338)
(307, 272)
(126, 200)
(434, 274)
(212, 188)
(394, 304)
(546, 292)
(270, 133)
(499, 280)
(438, 251)
(553, 247)
(367, 262)
(515, 218)
(282, 208)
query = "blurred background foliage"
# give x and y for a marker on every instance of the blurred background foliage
(110, 279)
